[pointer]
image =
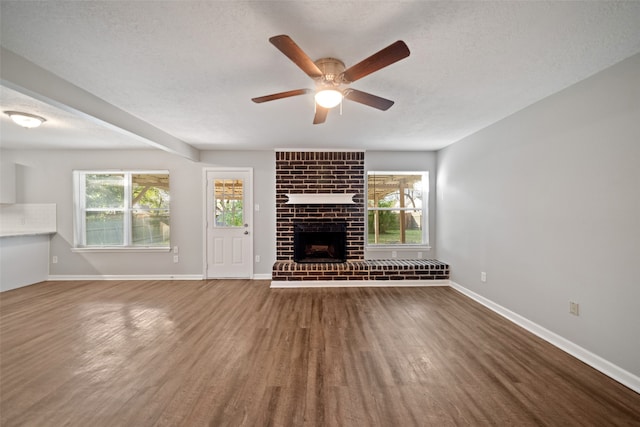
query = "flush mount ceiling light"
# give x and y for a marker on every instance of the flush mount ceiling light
(25, 120)
(328, 98)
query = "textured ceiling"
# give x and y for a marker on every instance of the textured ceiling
(191, 68)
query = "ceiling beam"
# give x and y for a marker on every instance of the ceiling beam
(30, 79)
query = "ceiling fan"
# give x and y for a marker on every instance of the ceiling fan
(332, 78)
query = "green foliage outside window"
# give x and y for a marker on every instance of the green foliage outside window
(386, 219)
(104, 191)
(229, 213)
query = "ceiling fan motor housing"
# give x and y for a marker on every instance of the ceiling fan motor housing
(331, 69)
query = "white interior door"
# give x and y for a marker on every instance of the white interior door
(229, 236)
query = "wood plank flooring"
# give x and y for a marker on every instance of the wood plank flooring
(236, 353)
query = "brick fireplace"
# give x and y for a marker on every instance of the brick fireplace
(315, 175)
(319, 173)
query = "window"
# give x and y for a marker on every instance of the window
(397, 208)
(121, 209)
(228, 199)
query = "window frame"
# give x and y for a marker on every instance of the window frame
(424, 220)
(79, 211)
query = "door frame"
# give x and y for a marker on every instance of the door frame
(249, 210)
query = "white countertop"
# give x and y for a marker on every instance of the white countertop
(17, 233)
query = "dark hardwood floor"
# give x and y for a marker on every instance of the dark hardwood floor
(235, 353)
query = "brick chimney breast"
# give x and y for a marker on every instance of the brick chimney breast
(318, 172)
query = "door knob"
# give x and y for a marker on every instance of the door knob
(246, 232)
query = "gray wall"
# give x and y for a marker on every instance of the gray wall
(46, 177)
(264, 194)
(547, 202)
(406, 161)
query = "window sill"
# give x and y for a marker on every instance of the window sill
(405, 247)
(121, 249)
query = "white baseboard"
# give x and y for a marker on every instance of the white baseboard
(356, 283)
(141, 277)
(617, 373)
(126, 277)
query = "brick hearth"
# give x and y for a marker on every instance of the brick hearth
(418, 269)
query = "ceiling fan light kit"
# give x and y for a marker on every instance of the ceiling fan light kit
(330, 75)
(328, 98)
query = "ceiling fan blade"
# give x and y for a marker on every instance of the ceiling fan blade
(297, 55)
(321, 115)
(368, 99)
(280, 95)
(387, 56)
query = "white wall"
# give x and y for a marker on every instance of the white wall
(46, 177)
(406, 161)
(7, 181)
(547, 202)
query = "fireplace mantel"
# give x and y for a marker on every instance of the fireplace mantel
(321, 199)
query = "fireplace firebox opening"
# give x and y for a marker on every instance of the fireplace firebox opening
(320, 242)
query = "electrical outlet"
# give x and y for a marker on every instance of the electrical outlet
(176, 258)
(394, 254)
(54, 259)
(483, 276)
(419, 255)
(257, 258)
(574, 308)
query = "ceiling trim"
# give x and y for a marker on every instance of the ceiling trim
(29, 79)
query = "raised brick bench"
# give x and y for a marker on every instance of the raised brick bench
(382, 269)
